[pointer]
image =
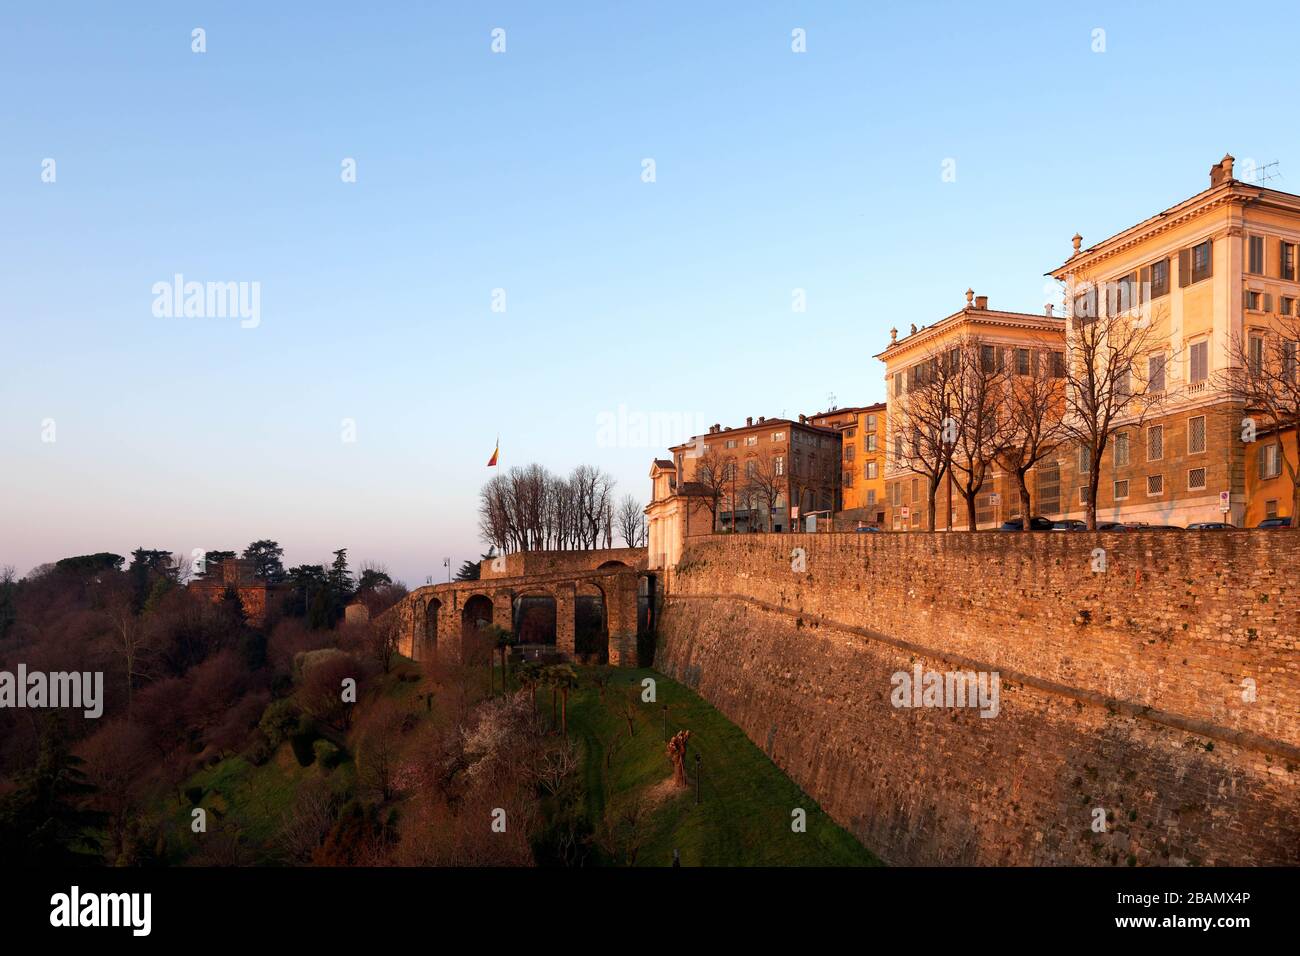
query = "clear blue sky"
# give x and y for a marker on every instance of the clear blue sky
(522, 171)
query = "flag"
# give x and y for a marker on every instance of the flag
(492, 462)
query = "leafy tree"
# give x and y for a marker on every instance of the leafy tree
(372, 579)
(470, 570)
(307, 580)
(267, 557)
(213, 560)
(91, 563)
(41, 820)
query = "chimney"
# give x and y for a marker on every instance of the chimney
(981, 302)
(803, 419)
(749, 421)
(1048, 309)
(761, 419)
(1221, 172)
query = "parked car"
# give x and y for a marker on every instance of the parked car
(1070, 524)
(1035, 524)
(1274, 523)
(1211, 526)
(1111, 526)
(1141, 526)
(869, 527)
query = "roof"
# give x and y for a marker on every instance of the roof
(764, 425)
(1019, 320)
(1231, 190)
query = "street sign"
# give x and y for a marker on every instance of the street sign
(1225, 501)
(995, 499)
(794, 513)
(906, 514)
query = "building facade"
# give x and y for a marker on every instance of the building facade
(862, 461)
(1214, 276)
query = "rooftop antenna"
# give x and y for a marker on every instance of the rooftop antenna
(830, 399)
(1266, 172)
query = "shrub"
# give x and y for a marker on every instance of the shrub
(280, 720)
(327, 755)
(303, 741)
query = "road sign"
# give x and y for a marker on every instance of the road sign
(906, 514)
(1225, 501)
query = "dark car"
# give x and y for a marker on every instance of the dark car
(868, 527)
(1035, 524)
(1274, 523)
(1070, 524)
(1211, 526)
(1111, 526)
(1142, 526)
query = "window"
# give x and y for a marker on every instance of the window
(1085, 460)
(1287, 264)
(872, 470)
(1083, 496)
(869, 441)
(751, 439)
(896, 494)
(1270, 461)
(1085, 304)
(1256, 354)
(1286, 305)
(1119, 297)
(898, 384)
(1254, 300)
(1155, 485)
(1022, 361)
(1058, 365)
(778, 465)
(988, 358)
(850, 451)
(1156, 373)
(916, 490)
(1155, 442)
(1199, 360)
(1196, 263)
(1155, 278)
(729, 471)
(731, 443)
(871, 497)
(1270, 508)
(1121, 449)
(1196, 435)
(1196, 479)
(871, 423)
(1121, 489)
(778, 436)
(751, 469)
(898, 448)
(1288, 360)
(850, 432)
(1255, 247)
(1048, 479)
(848, 479)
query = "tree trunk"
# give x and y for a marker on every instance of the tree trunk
(934, 493)
(1094, 479)
(1025, 513)
(970, 510)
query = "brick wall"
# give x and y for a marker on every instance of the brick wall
(1121, 690)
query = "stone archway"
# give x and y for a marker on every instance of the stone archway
(590, 623)
(475, 616)
(428, 650)
(534, 623)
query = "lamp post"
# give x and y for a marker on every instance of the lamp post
(446, 563)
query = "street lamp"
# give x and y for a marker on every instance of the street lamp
(446, 563)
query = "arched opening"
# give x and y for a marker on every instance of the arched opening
(590, 624)
(646, 620)
(475, 616)
(534, 624)
(611, 564)
(429, 649)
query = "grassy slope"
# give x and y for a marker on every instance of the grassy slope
(744, 818)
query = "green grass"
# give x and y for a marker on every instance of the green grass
(744, 817)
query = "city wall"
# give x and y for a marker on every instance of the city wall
(1162, 692)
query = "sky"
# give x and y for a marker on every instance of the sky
(612, 220)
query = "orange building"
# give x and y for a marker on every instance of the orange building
(862, 460)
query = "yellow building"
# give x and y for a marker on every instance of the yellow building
(862, 460)
(1213, 275)
(1022, 342)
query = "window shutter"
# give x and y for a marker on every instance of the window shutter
(1184, 268)
(1209, 258)
(1245, 299)
(1144, 280)
(1268, 301)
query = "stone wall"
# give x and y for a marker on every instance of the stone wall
(524, 563)
(1120, 690)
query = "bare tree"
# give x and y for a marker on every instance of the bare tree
(763, 487)
(711, 475)
(924, 419)
(1262, 375)
(630, 519)
(979, 384)
(1106, 389)
(1033, 409)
